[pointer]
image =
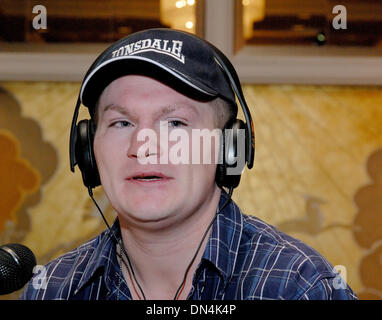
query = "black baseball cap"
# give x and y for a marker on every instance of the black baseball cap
(177, 58)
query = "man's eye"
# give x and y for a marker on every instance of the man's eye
(176, 123)
(121, 124)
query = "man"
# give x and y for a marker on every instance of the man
(178, 234)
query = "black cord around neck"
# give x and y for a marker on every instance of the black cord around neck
(193, 258)
(118, 241)
(201, 242)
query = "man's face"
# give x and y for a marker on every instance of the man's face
(140, 190)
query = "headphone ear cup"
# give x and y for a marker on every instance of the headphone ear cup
(230, 155)
(220, 168)
(85, 155)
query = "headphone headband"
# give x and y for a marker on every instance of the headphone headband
(235, 84)
(73, 136)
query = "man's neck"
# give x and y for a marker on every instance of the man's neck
(160, 258)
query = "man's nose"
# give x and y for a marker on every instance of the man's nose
(145, 143)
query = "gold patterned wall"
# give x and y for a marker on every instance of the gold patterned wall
(317, 173)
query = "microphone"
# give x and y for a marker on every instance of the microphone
(16, 267)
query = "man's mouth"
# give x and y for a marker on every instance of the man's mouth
(148, 177)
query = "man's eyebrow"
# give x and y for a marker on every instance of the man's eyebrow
(114, 107)
(173, 107)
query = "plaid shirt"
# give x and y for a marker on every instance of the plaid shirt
(245, 258)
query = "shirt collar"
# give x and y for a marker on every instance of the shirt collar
(103, 256)
(223, 244)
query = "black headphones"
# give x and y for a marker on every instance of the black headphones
(82, 137)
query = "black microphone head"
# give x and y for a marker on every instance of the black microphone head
(16, 267)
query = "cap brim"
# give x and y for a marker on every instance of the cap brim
(102, 75)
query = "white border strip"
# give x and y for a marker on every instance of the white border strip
(251, 68)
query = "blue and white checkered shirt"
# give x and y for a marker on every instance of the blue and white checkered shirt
(245, 258)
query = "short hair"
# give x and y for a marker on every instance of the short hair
(224, 112)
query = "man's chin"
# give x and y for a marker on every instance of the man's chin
(141, 197)
(149, 216)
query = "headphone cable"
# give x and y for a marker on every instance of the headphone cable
(118, 241)
(182, 285)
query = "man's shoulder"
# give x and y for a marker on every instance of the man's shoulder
(77, 256)
(267, 240)
(278, 266)
(59, 277)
